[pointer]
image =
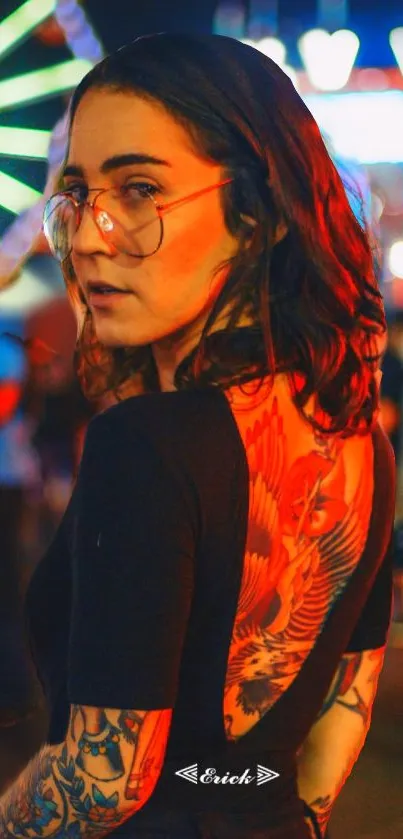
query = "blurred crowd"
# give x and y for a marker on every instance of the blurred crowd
(43, 417)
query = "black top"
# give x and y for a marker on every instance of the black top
(133, 605)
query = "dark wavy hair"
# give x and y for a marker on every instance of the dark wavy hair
(313, 295)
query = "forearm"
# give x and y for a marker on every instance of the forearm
(89, 785)
(53, 798)
(335, 741)
(322, 774)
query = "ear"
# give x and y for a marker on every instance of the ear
(281, 229)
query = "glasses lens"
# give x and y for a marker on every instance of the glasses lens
(59, 224)
(129, 218)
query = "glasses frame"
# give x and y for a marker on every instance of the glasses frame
(161, 209)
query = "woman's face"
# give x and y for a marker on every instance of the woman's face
(172, 291)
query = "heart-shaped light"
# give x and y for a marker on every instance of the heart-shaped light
(396, 42)
(276, 50)
(329, 59)
(273, 48)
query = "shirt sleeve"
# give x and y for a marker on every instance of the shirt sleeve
(371, 629)
(133, 571)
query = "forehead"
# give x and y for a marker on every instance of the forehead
(109, 123)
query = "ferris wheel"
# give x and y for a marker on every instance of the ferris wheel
(22, 202)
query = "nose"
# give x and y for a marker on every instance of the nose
(88, 238)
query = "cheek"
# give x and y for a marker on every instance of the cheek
(196, 244)
(183, 271)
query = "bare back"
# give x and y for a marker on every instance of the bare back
(310, 499)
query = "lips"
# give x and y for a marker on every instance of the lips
(94, 287)
(104, 297)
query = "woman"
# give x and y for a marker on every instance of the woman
(210, 621)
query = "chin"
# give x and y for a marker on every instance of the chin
(115, 338)
(134, 333)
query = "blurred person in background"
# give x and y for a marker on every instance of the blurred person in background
(62, 414)
(58, 410)
(19, 475)
(218, 593)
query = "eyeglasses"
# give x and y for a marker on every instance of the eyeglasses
(128, 218)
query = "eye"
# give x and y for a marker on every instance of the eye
(134, 189)
(77, 191)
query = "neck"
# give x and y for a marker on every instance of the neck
(170, 351)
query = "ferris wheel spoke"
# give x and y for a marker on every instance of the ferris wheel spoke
(22, 201)
(15, 196)
(39, 84)
(17, 26)
(32, 143)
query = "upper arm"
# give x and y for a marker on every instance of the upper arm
(355, 678)
(354, 683)
(133, 576)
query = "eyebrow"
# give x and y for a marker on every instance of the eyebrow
(117, 162)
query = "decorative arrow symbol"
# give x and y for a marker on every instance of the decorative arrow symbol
(264, 775)
(189, 773)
